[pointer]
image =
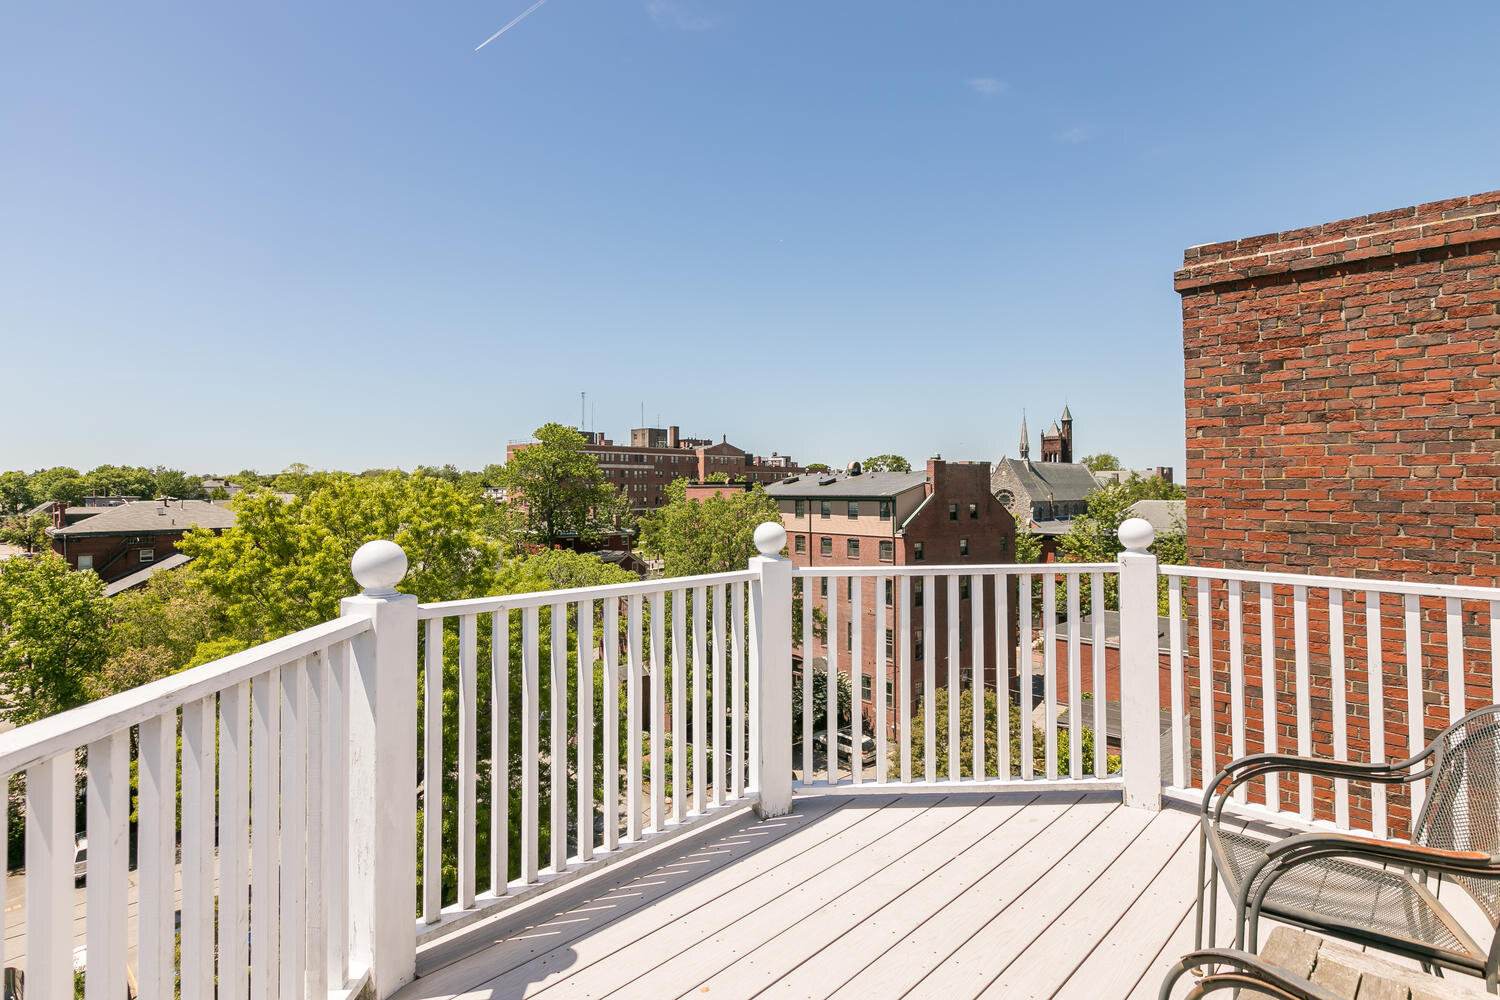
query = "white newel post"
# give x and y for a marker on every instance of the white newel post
(1140, 709)
(771, 697)
(383, 772)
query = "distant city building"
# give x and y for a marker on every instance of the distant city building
(944, 515)
(1045, 496)
(122, 540)
(658, 455)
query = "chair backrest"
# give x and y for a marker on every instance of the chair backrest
(1462, 808)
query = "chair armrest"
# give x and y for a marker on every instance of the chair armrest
(1252, 766)
(1244, 970)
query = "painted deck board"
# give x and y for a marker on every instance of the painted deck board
(1059, 894)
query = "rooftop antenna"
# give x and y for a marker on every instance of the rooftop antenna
(583, 410)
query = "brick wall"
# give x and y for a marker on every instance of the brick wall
(1341, 388)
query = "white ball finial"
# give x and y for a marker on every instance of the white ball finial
(770, 539)
(1136, 534)
(378, 566)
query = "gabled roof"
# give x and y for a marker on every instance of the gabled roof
(145, 517)
(835, 484)
(1061, 481)
(1163, 515)
(140, 576)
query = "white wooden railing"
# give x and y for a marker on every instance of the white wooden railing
(301, 794)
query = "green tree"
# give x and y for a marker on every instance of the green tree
(285, 565)
(119, 480)
(1028, 545)
(559, 489)
(1094, 537)
(167, 482)
(30, 533)
(171, 623)
(15, 492)
(816, 467)
(58, 483)
(52, 636)
(885, 463)
(1102, 462)
(715, 534)
(942, 748)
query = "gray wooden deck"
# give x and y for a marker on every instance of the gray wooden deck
(958, 896)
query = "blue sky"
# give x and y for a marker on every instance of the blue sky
(256, 234)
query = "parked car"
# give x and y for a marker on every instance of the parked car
(80, 859)
(846, 746)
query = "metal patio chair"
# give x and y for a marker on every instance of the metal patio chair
(1373, 892)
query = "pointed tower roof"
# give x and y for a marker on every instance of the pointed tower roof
(1053, 431)
(1025, 438)
(1066, 416)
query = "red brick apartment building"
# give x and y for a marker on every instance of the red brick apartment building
(942, 516)
(117, 541)
(1342, 387)
(658, 455)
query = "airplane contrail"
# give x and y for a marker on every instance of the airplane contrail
(523, 16)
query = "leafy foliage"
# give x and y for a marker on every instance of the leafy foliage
(844, 704)
(52, 636)
(1094, 537)
(712, 535)
(559, 490)
(885, 463)
(30, 533)
(1102, 462)
(942, 748)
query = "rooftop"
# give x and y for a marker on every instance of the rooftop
(1052, 480)
(145, 517)
(843, 484)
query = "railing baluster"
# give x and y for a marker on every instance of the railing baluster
(50, 832)
(108, 793)
(557, 745)
(679, 707)
(976, 668)
(1075, 679)
(500, 752)
(335, 706)
(929, 676)
(700, 703)
(198, 792)
(1304, 710)
(610, 712)
(951, 668)
(856, 682)
(1174, 643)
(831, 661)
(904, 612)
(432, 772)
(807, 679)
(316, 982)
(1024, 690)
(720, 595)
(1204, 604)
(1236, 678)
(1268, 687)
(1049, 672)
(737, 682)
(531, 703)
(658, 712)
(882, 672)
(1002, 671)
(633, 719)
(1096, 643)
(293, 912)
(265, 759)
(585, 730)
(468, 757)
(1340, 707)
(1453, 613)
(1416, 723)
(1375, 675)
(234, 845)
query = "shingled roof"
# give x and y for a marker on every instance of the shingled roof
(151, 517)
(1059, 481)
(867, 484)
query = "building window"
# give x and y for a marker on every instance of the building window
(827, 508)
(890, 643)
(890, 692)
(822, 586)
(963, 546)
(799, 508)
(851, 548)
(953, 512)
(973, 512)
(916, 638)
(890, 592)
(801, 543)
(885, 510)
(147, 555)
(867, 687)
(849, 588)
(853, 508)
(85, 562)
(849, 635)
(825, 546)
(887, 550)
(963, 588)
(916, 592)
(918, 551)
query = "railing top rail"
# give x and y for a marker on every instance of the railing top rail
(1418, 588)
(975, 569)
(540, 598)
(66, 731)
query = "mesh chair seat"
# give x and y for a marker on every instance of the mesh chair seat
(1334, 891)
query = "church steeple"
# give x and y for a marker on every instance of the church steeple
(1025, 440)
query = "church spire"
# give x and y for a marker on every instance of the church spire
(1025, 440)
